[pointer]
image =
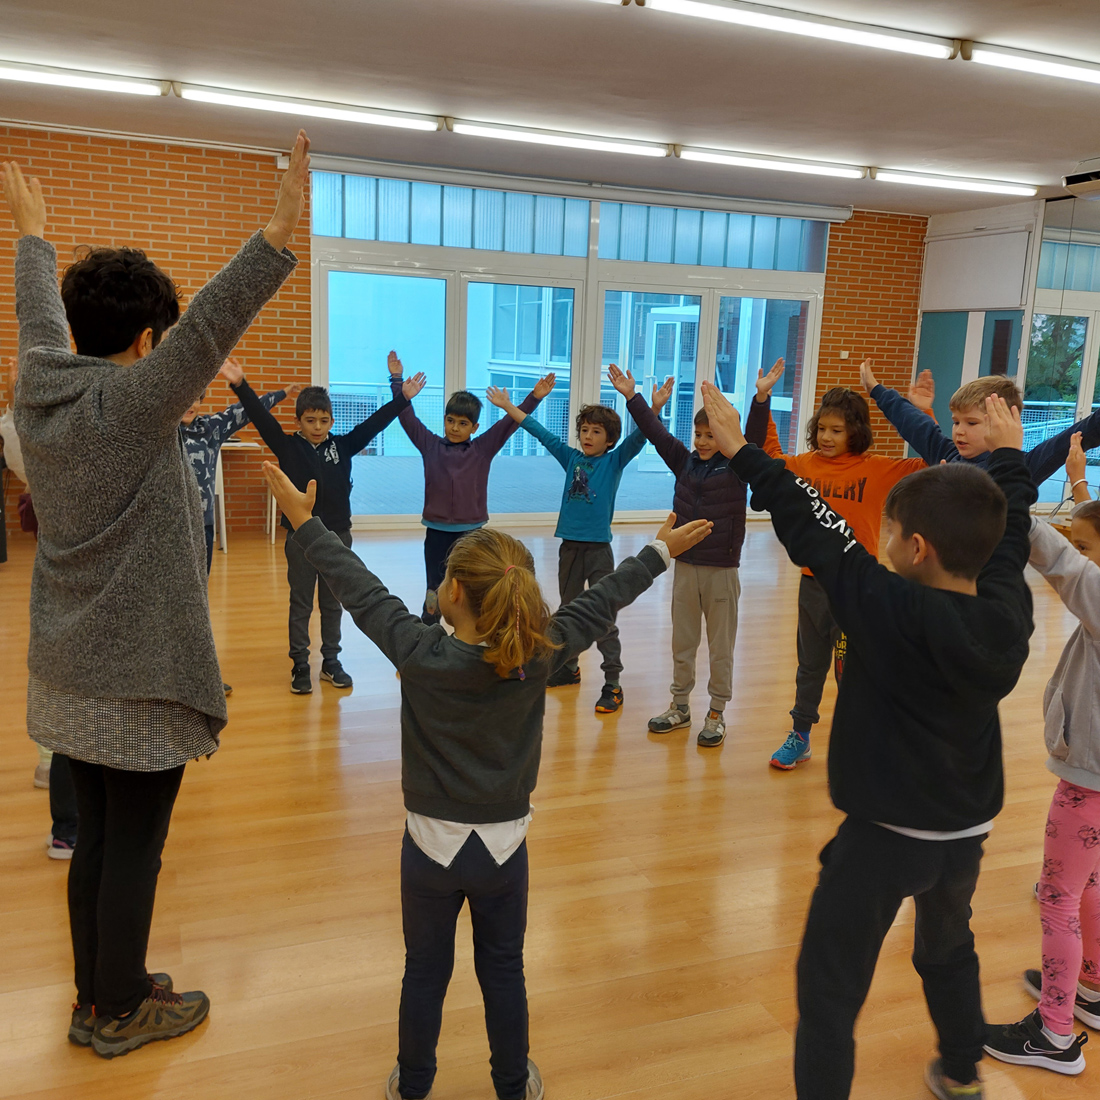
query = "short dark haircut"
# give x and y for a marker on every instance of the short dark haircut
(1089, 512)
(701, 419)
(112, 295)
(857, 418)
(958, 508)
(603, 417)
(312, 399)
(464, 403)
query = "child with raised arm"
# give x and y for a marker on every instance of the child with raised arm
(1068, 983)
(456, 473)
(706, 583)
(123, 673)
(855, 484)
(592, 476)
(472, 708)
(915, 753)
(313, 453)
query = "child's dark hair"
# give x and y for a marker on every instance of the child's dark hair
(1089, 511)
(464, 403)
(497, 574)
(112, 295)
(701, 419)
(857, 418)
(603, 417)
(312, 399)
(958, 508)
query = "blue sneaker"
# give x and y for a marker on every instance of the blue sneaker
(795, 750)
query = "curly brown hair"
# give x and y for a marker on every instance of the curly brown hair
(857, 419)
(603, 417)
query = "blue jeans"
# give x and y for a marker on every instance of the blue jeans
(431, 899)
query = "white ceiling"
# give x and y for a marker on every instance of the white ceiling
(575, 65)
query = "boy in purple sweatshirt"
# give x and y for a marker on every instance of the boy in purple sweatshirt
(456, 473)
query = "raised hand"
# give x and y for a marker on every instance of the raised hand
(292, 195)
(544, 385)
(296, 505)
(28, 207)
(1002, 427)
(622, 381)
(1075, 460)
(498, 395)
(725, 421)
(922, 392)
(679, 539)
(394, 364)
(293, 390)
(866, 376)
(661, 394)
(232, 372)
(412, 386)
(766, 382)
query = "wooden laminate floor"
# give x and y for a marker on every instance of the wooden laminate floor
(668, 883)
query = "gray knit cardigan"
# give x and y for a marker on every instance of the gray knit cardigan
(118, 595)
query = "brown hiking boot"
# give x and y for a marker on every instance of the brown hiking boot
(83, 1021)
(162, 1015)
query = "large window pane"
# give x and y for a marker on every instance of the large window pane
(514, 335)
(367, 316)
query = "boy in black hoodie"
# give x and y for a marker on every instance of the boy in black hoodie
(915, 754)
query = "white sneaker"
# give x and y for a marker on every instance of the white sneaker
(676, 717)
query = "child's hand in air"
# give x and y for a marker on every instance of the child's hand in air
(1002, 427)
(412, 386)
(679, 539)
(292, 195)
(725, 421)
(394, 364)
(293, 390)
(28, 207)
(498, 395)
(867, 378)
(544, 385)
(622, 381)
(923, 391)
(661, 394)
(1075, 460)
(232, 372)
(296, 506)
(766, 382)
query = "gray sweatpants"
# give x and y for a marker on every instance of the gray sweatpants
(578, 563)
(706, 592)
(818, 635)
(303, 580)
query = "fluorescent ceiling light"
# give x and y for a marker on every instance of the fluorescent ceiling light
(775, 164)
(1042, 64)
(954, 183)
(72, 78)
(308, 108)
(565, 141)
(812, 26)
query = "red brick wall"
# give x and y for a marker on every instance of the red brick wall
(190, 209)
(872, 291)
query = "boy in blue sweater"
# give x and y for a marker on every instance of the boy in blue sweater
(592, 476)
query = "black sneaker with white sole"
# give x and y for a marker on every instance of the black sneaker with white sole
(300, 682)
(334, 673)
(1024, 1044)
(1088, 1012)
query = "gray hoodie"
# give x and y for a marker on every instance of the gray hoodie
(1071, 702)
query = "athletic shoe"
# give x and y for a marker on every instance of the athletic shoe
(676, 717)
(391, 1085)
(713, 732)
(611, 698)
(938, 1086)
(535, 1088)
(42, 777)
(564, 677)
(300, 683)
(162, 1015)
(334, 673)
(1088, 1012)
(1024, 1044)
(59, 849)
(83, 1022)
(795, 750)
(227, 688)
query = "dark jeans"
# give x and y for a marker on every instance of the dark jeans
(209, 547)
(113, 879)
(578, 563)
(817, 638)
(303, 580)
(866, 873)
(431, 899)
(63, 808)
(437, 545)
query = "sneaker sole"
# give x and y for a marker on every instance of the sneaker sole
(301, 691)
(1068, 1069)
(59, 853)
(80, 1037)
(708, 743)
(669, 729)
(329, 680)
(789, 767)
(113, 1050)
(608, 710)
(1089, 1019)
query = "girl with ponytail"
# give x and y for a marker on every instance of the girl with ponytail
(472, 706)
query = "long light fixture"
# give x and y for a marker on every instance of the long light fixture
(73, 78)
(308, 108)
(589, 142)
(774, 164)
(812, 26)
(954, 183)
(1023, 61)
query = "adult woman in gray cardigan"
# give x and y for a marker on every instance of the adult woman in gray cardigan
(124, 678)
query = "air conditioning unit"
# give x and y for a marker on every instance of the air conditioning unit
(1084, 180)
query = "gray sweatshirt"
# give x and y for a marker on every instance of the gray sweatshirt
(118, 596)
(470, 739)
(1071, 702)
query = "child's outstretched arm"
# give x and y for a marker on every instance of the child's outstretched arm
(376, 611)
(222, 425)
(492, 439)
(419, 435)
(1075, 470)
(1044, 460)
(381, 419)
(498, 396)
(674, 454)
(759, 425)
(271, 431)
(918, 428)
(1074, 577)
